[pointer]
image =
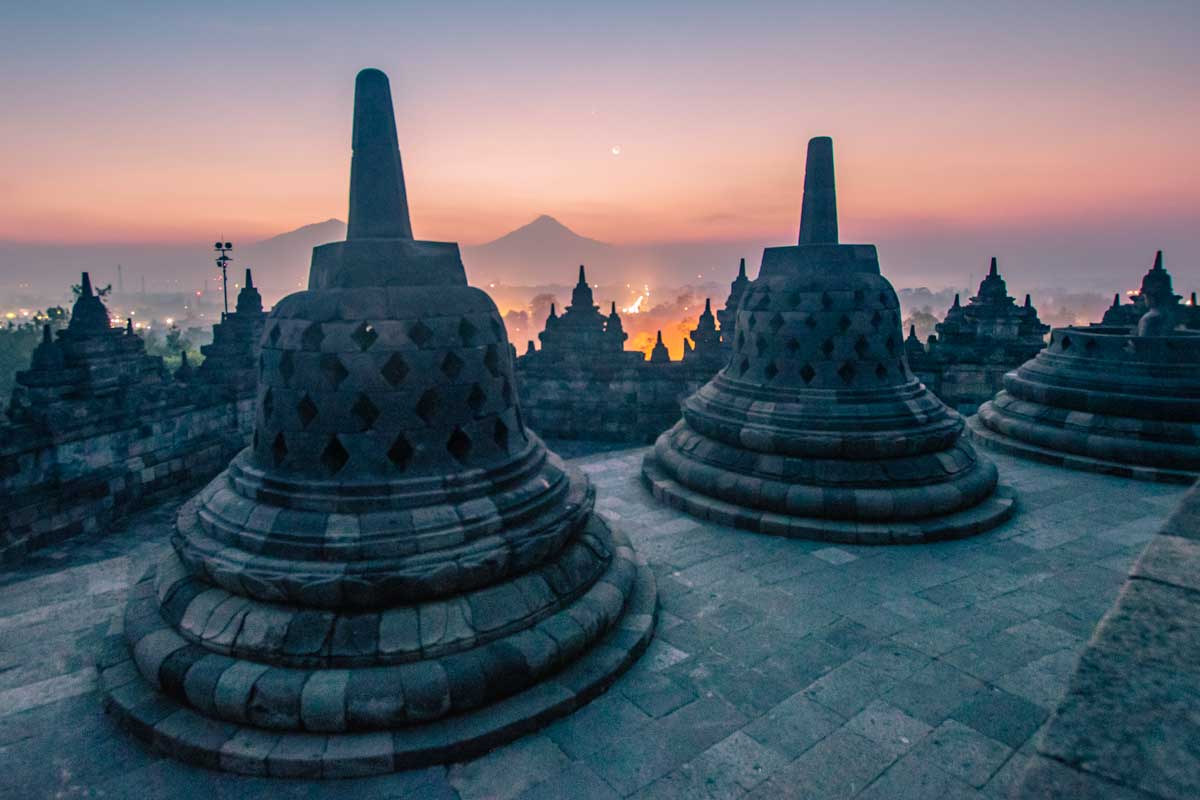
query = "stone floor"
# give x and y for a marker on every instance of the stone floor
(782, 668)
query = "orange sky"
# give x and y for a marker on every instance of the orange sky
(943, 118)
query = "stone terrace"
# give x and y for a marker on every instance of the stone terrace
(782, 668)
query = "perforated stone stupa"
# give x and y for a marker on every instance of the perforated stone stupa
(1117, 398)
(816, 427)
(397, 572)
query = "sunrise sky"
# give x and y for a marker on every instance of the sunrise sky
(145, 122)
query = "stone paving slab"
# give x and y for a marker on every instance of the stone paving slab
(781, 668)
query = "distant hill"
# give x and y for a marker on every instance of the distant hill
(543, 251)
(281, 263)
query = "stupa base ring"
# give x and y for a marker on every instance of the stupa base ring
(984, 516)
(181, 732)
(989, 439)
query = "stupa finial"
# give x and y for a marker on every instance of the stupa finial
(742, 267)
(613, 312)
(1028, 301)
(378, 201)
(249, 279)
(957, 304)
(992, 269)
(708, 305)
(818, 213)
(582, 276)
(1116, 300)
(85, 285)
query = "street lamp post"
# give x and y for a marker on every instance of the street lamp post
(222, 263)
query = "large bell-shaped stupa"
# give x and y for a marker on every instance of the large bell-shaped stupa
(1111, 398)
(816, 428)
(396, 572)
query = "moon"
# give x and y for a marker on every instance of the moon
(616, 149)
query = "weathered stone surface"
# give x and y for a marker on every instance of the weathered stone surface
(816, 427)
(1130, 723)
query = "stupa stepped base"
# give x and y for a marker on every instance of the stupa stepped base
(180, 731)
(984, 516)
(989, 439)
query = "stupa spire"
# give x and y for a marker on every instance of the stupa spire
(742, 267)
(582, 276)
(85, 286)
(818, 213)
(992, 268)
(378, 201)
(249, 279)
(1028, 301)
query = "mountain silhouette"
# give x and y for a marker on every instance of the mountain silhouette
(542, 251)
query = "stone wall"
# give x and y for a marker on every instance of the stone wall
(1129, 725)
(631, 402)
(964, 386)
(55, 486)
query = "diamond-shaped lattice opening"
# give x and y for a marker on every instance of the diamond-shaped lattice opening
(452, 366)
(254, 440)
(846, 372)
(876, 320)
(364, 336)
(287, 366)
(808, 373)
(334, 456)
(279, 449)
(760, 343)
(861, 347)
(742, 367)
(810, 322)
(826, 301)
(459, 445)
(497, 328)
(262, 364)
(420, 333)
(741, 341)
(476, 398)
(312, 337)
(1065, 344)
(365, 411)
(400, 453)
(273, 336)
(883, 299)
(771, 370)
(466, 332)
(792, 346)
(1090, 346)
(307, 410)
(752, 321)
(794, 297)
(268, 404)
(334, 370)
(428, 405)
(395, 370)
(776, 323)
(491, 360)
(827, 347)
(500, 435)
(880, 371)
(858, 298)
(506, 392)
(763, 302)
(891, 345)
(843, 323)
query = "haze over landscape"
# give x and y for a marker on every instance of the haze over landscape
(672, 138)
